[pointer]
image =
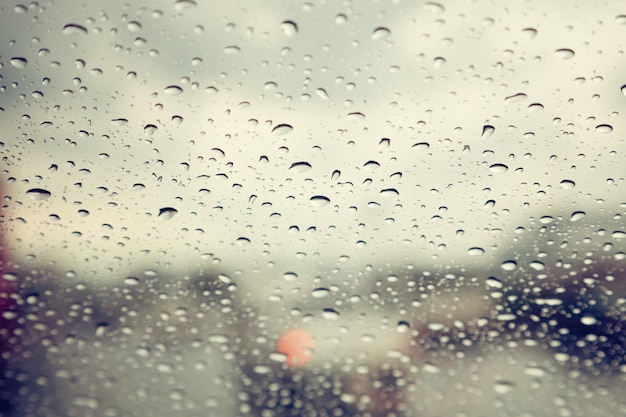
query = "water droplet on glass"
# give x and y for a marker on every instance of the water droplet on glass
(475, 251)
(588, 320)
(282, 129)
(487, 131)
(289, 27)
(173, 90)
(322, 94)
(184, 4)
(431, 368)
(421, 146)
(623, 89)
(38, 194)
(503, 387)
(389, 192)
(319, 200)
(320, 292)
(300, 167)
(232, 50)
(567, 184)
(515, 98)
(73, 28)
(509, 265)
(493, 282)
(498, 168)
(402, 326)
(150, 129)
(604, 128)
(330, 314)
(18, 62)
(537, 265)
(380, 33)
(618, 234)
(290, 276)
(577, 215)
(356, 116)
(167, 213)
(119, 122)
(564, 53)
(529, 32)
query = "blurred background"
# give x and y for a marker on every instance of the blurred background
(432, 192)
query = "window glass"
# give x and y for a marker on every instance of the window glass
(291, 208)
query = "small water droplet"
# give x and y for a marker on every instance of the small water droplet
(588, 320)
(623, 89)
(167, 213)
(73, 28)
(380, 33)
(330, 314)
(402, 327)
(475, 251)
(604, 128)
(322, 94)
(389, 192)
(498, 168)
(564, 53)
(618, 234)
(19, 62)
(282, 129)
(537, 265)
(173, 90)
(567, 184)
(356, 116)
(38, 194)
(300, 167)
(289, 27)
(184, 4)
(320, 200)
(119, 122)
(290, 276)
(150, 129)
(529, 32)
(493, 282)
(503, 387)
(431, 368)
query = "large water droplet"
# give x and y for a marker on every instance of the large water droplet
(577, 215)
(173, 90)
(421, 146)
(282, 129)
(487, 131)
(498, 168)
(320, 200)
(380, 33)
(19, 62)
(300, 167)
(564, 53)
(167, 213)
(604, 128)
(73, 28)
(567, 184)
(289, 27)
(38, 194)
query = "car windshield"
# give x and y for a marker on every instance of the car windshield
(291, 208)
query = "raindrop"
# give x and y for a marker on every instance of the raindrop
(282, 129)
(290, 28)
(567, 184)
(431, 368)
(421, 146)
(618, 234)
(509, 265)
(389, 192)
(475, 251)
(150, 129)
(18, 62)
(503, 387)
(184, 4)
(604, 128)
(322, 94)
(537, 265)
(402, 326)
(498, 168)
(119, 122)
(167, 213)
(623, 89)
(577, 215)
(320, 292)
(515, 98)
(330, 314)
(138, 186)
(38, 194)
(319, 200)
(232, 50)
(290, 276)
(487, 131)
(529, 32)
(380, 33)
(173, 90)
(564, 53)
(356, 116)
(588, 320)
(300, 167)
(493, 282)
(73, 28)
(335, 175)
(131, 281)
